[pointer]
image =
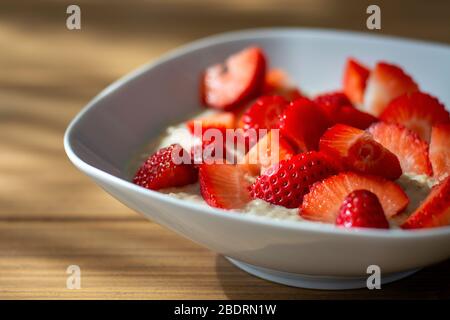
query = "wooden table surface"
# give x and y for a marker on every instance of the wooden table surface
(52, 216)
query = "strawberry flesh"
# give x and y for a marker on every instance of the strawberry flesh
(239, 79)
(434, 210)
(411, 151)
(354, 82)
(416, 111)
(359, 152)
(323, 201)
(440, 151)
(224, 186)
(264, 113)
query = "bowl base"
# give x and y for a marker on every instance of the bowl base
(315, 282)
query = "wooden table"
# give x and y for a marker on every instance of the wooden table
(51, 216)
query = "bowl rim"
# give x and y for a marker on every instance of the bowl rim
(309, 226)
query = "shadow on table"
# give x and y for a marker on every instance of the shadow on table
(429, 283)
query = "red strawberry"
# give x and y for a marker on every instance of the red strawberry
(361, 208)
(287, 182)
(225, 86)
(434, 211)
(411, 151)
(277, 83)
(220, 120)
(416, 111)
(161, 171)
(385, 83)
(440, 151)
(264, 113)
(359, 152)
(354, 82)
(303, 122)
(324, 199)
(269, 150)
(339, 109)
(354, 117)
(224, 186)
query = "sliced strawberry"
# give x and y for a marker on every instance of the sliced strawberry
(264, 113)
(303, 123)
(339, 109)
(385, 83)
(440, 151)
(322, 203)
(269, 150)
(220, 120)
(354, 82)
(161, 171)
(434, 211)
(277, 83)
(354, 117)
(361, 208)
(411, 151)
(331, 103)
(285, 183)
(416, 111)
(224, 186)
(359, 152)
(241, 78)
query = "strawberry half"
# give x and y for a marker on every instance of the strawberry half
(224, 186)
(434, 211)
(440, 151)
(277, 83)
(354, 82)
(411, 151)
(303, 122)
(322, 203)
(269, 150)
(160, 171)
(264, 113)
(339, 109)
(359, 152)
(416, 111)
(385, 83)
(240, 78)
(362, 209)
(287, 182)
(221, 121)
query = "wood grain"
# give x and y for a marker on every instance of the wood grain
(52, 216)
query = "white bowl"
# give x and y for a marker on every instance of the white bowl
(114, 125)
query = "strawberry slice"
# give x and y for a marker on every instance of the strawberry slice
(354, 81)
(339, 109)
(221, 121)
(362, 209)
(269, 150)
(416, 111)
(303, 122)
(287, 182)
(440, 151)
(385, 83)
(322, 203)
(161, 171)
(264, 113)
(240, 78)
(277, 83)
(434, 211)
(411, 151)
(224, 186)
(359, 152)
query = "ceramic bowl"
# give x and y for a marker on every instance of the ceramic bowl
(135, 109)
